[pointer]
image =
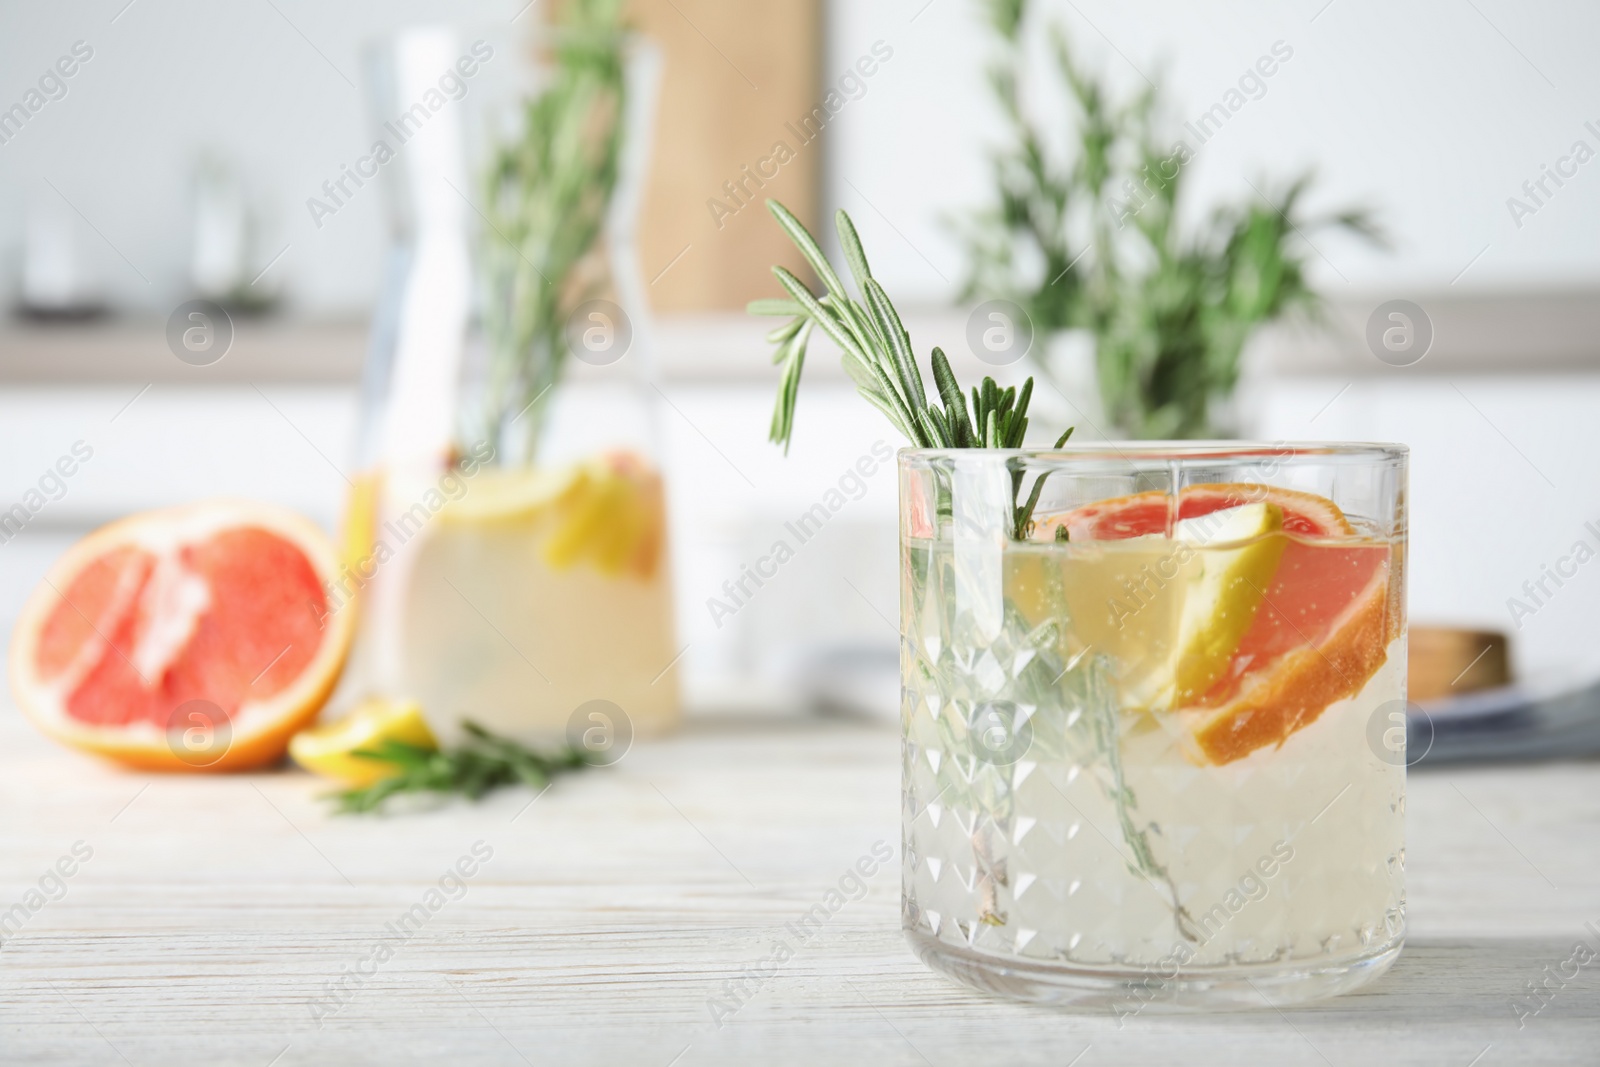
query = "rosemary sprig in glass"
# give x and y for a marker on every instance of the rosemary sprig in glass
(484, 762)
(877, 355)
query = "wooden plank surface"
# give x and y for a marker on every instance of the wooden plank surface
(215, 916)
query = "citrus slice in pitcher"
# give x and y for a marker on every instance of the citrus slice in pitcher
(1318, 628)
(191, 638)
(536, 592)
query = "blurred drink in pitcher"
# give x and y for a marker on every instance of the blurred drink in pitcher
(540, 590)
(506, 540)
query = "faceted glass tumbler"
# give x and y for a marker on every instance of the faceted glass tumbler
(1153, 726)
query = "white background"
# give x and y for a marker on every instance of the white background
(1431, 112)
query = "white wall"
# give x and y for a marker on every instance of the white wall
(263, 84)
(1435, 112)
(1422, 109)
(1502, 486)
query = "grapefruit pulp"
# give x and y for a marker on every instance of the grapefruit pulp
(190, 638)
(1322, 627)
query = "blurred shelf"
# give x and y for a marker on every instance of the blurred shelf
(1543, 333)
(689, 347)
(1513, 333)
(135, 350)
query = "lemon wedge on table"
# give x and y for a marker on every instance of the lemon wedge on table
(329, 749)
(1225, 589)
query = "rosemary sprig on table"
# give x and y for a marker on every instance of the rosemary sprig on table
(877, 355)
(484, 762)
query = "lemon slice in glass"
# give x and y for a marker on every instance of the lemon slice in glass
(1224, 591)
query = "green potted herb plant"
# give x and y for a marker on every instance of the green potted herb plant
(1087, 233)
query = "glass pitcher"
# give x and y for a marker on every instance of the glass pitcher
(505, 541)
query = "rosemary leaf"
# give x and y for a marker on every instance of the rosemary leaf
(854, 254)
(1023, 399)
(851, 319)
(865, 380)
(955, 405)
(793, 356)
(782, 333)
(820, 314)
(899, 345)
(808, 248)
(934, 426)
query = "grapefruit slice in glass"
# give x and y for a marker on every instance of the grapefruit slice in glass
(1322, 627)
(190, 638)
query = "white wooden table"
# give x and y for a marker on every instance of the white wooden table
(215, 916)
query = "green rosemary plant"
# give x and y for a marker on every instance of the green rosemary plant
(546, 194)
(1085, 233)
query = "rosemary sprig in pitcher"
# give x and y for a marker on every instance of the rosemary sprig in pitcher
(546, 193)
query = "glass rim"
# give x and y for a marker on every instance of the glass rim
(1193, 451)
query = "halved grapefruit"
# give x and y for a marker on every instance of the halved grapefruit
(1321, 629)
(191, 638)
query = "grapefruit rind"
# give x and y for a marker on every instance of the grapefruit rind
(1305, 514)
(261, 729)
(1273, 704)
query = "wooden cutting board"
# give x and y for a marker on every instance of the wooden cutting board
(1445, 662)
(737, 80)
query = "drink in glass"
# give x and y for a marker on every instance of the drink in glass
(1149, 751)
